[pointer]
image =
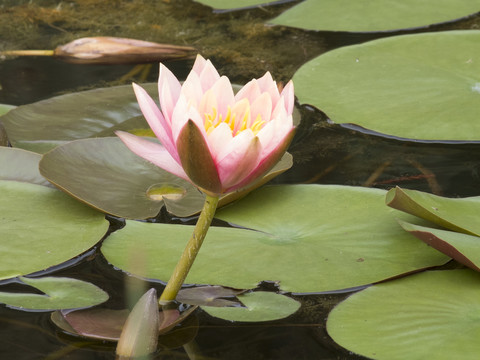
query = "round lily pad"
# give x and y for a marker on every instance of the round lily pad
(105, 174)
(431, 315)
(374, 15)
(308, 238)
(41, 227)
(45, 124)
(411, 86)
(20, 165)
(58, 293)
(259, 306)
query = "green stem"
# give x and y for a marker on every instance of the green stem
(191, 250)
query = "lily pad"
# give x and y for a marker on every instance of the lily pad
(431, 315)
(374, 15)
(105, 174)
(59, 293)
(208, 296)
(459, 214)
(259, 306)
(461, 247)
(41, 227)
(46, 124)
(20, 165)
(309, 238)
(411, 86)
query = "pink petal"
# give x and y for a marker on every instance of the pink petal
(199, 64)
(250, 91)
(288, 97)
(192, 89)
(267, 84)
(219, 138)
(273, 133)
(265, 162)
(262, 106)
(241, 109)
(223, 92)
(155, 120)
(238, 159)
(208, 76)
(153, 152)
(168, 90)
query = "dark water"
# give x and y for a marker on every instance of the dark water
(241, 47)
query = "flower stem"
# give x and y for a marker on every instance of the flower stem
(191, 250)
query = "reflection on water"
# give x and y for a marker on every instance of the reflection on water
(241, 47)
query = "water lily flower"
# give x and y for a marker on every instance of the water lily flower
(218, 140)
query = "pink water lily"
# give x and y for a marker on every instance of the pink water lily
(211, 137)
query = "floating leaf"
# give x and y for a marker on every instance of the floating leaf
(42, 227)
(461, 247)
(208, 296)
(259, 306)
(459, 214)
(105, 174)
(309, 238)
(59, 293)
(107, 324)
(411, 86)
(45, 124)
(431, 315)
(236, 4)
(20, 165)
(374, 15)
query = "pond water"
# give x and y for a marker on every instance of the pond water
(242, 47)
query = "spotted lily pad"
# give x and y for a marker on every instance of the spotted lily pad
(20, 165)
(41, 227)
(59, 293)
(431, 315)
(105, 174)
(259, 306)
(374, 15)
(308, 238)
(45, 124)
(411, 86)
(460, 214)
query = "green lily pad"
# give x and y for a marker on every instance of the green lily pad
(459, 214)
(4, 108)
(374, 15)
(105, 174)
(20, 165)
(41, 227)
(45, 124)
(259, 306)
(59, 293)
(235, 4)
(309, 238)
(461, 247)
(431, 315)
(411, 86)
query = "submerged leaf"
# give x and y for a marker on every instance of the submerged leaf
(208, 296)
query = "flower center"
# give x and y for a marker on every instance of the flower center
(213, 119)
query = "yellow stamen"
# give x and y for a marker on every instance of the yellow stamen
(213, 119)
